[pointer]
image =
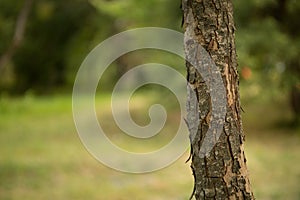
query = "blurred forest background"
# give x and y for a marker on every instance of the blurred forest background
(43, 43)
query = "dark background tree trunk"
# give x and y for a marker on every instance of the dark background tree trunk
(18, 35)
(223, 174)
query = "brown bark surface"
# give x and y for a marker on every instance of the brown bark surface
(223, 174)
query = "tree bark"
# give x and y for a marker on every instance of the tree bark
(223, 173)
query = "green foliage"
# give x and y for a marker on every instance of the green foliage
(60, 34)
(268, 39)
(40, 63)
(132, 13)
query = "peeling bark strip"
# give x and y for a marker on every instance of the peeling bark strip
(223, 174)
(201, 60)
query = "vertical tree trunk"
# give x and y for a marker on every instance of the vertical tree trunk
(18, 35)
(223, 174)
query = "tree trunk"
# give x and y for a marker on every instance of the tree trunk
(223, 173)
(295, 102)
(18, 35)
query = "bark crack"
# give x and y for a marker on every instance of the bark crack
(223, 175)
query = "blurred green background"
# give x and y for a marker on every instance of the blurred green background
(43, 43)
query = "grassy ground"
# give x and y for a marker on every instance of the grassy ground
(41, 156)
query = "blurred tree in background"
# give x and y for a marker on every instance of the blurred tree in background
(59, 34)
(137, 14)
(268, 42)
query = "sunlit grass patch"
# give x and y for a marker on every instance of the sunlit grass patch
(42, 156)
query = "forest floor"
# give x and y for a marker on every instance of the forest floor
(42, 156)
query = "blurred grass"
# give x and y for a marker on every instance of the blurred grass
(41, 156)
(272, 146)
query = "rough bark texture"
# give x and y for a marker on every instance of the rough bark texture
(223, 174)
